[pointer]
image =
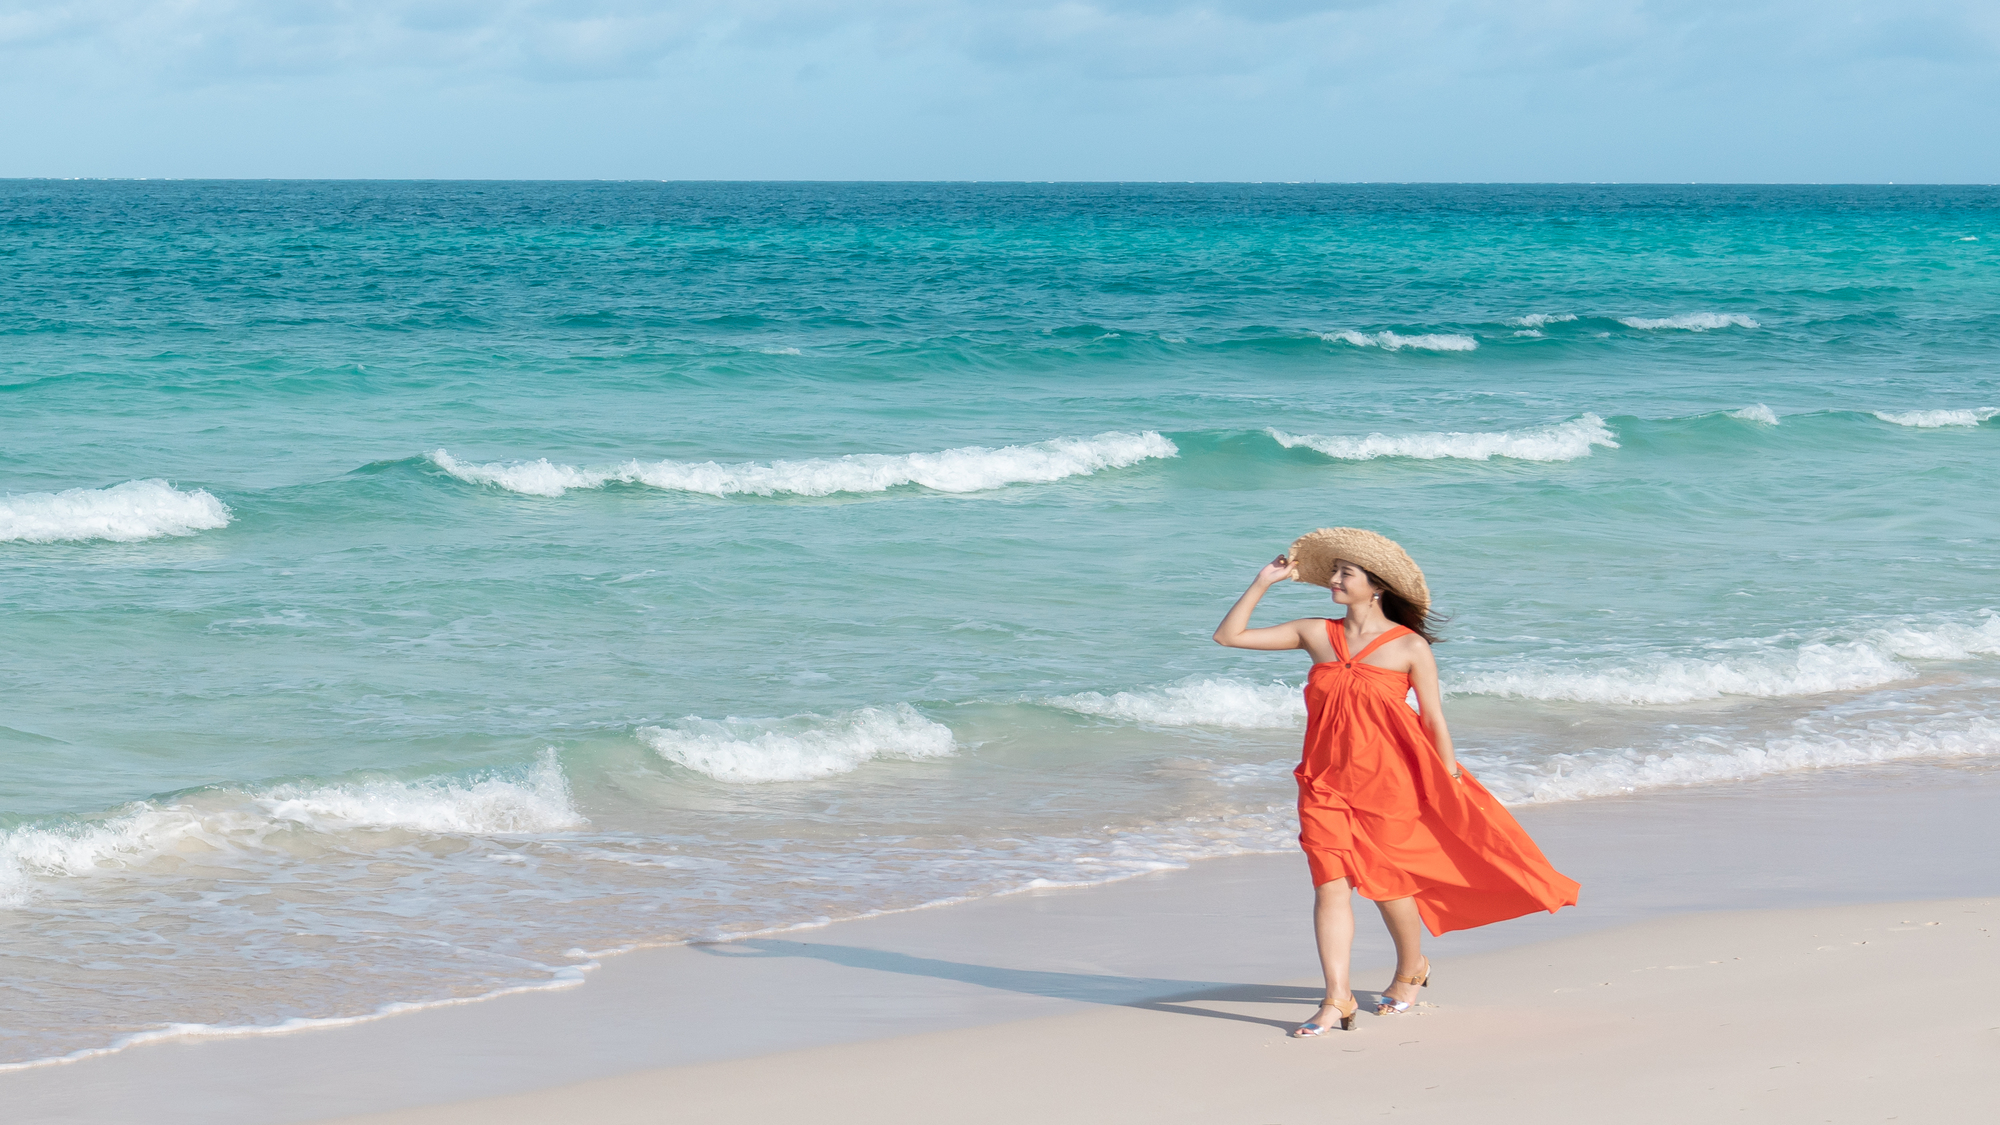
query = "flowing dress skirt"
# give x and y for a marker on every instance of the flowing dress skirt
(1377, 806)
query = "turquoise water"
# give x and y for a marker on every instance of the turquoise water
(421, 589)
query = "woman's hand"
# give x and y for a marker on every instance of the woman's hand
(1275, 571)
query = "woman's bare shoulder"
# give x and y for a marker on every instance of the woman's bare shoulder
(1412, 645)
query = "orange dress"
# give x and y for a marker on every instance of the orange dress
(1377, 806)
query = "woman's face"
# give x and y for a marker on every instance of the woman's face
(1351, 585)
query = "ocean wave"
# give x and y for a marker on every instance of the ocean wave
(1690, 322)
(1190, 703)
(29, 853)
(1391, 341)
(1937, 419)
(801, 748)
(1756, 413)
(1809, 669)
(1541, 320)
(1610, 773)
(521, 801)
(124, 513)
(969, 469)
(539, 477)
(1563, 441)
(535, 800)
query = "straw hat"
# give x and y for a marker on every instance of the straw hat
(1314, 554)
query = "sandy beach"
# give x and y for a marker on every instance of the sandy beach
(1882, 1012)
(1793, 950)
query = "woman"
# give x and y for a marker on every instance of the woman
(1384, 807)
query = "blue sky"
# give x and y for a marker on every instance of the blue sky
(1532, 90)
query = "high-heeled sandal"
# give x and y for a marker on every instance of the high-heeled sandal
(1346, 1009)
(1384, 1006)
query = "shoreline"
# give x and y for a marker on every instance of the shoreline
(1776, 1015)
(1850, 837)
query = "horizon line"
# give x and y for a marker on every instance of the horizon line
(1023, 182)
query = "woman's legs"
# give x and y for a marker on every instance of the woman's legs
(1406, 928)
(1333, 926)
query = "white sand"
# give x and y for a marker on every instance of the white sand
(1847, 1014)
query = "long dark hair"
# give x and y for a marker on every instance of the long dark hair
(1405, 612)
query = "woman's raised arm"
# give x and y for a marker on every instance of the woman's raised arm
(1235, 630)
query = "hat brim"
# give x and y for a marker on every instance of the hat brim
(1316, 554)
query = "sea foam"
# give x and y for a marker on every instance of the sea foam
(1563, 441)
(800, 748)
(1609, 773)
(1757, 413)
(968, 469)
(1391, 341)
(1690, 322)
(124, 513)
(559, 977)
(1541, 320)
(1203, 702)
(535, 799)
(1810, 669)
(1937, 419)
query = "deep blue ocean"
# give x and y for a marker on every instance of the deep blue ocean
(414, 591)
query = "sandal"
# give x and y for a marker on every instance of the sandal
(1384, 1006)
(1346, 1008)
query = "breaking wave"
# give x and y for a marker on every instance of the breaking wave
(1391, 341)
(1191, 703)
(1609, 773)
(536, 799)
(124, 513)
(800, 748)
(1809, 669)
(1563, 441)
(1690, 322)
(1757, 413)
(1937, 419)
(969, 469)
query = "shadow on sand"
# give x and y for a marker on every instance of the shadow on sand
(1155, 994)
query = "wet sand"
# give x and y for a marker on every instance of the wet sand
(1169, 994)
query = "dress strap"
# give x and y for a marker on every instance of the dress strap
(1335, 634)
(1390, 635)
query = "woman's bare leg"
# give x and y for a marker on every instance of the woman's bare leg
(1333, 926)
(1407, 929)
